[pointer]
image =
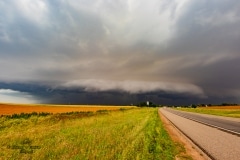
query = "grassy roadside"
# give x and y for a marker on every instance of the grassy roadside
(235, 113)
(126, 134)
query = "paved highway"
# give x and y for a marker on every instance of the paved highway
(221, 143)
(231, 125)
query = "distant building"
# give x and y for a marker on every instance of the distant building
(147, 103)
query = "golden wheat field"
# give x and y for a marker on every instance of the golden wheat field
(8, 109)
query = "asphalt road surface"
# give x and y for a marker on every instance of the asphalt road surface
(232, 126)
(221, 142)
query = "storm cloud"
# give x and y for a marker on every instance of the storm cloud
(133, 46)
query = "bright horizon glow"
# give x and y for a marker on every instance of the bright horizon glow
(12, 96)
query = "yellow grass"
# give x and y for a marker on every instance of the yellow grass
(222, 107)
(126, 134)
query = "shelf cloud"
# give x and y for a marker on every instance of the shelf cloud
(134, 87)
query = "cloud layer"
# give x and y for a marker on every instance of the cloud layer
(134, 46)
(134, 87)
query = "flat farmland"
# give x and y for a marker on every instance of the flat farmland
(226, 111)
(9, 109)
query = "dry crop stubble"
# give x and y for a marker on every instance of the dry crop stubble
(8, 109)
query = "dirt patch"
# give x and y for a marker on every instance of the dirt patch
(190, 151)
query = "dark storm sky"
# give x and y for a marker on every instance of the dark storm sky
(187, 47)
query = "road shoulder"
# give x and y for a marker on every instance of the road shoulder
(190, 149)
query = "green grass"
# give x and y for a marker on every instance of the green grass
(218, 112)
(127, 134)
